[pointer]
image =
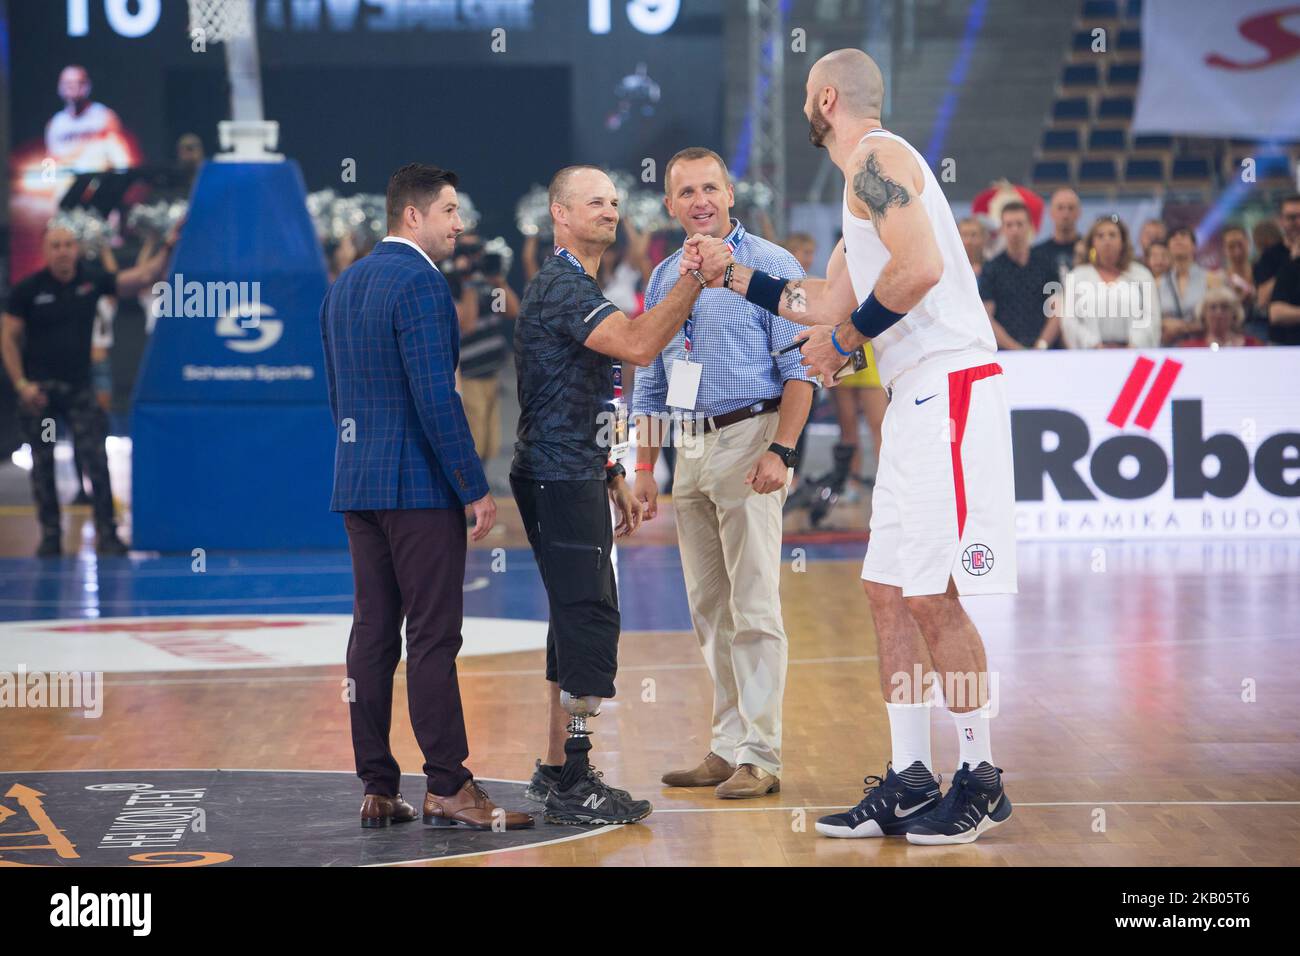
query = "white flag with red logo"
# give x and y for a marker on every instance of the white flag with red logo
(1224, 68)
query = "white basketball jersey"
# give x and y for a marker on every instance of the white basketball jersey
(951, 317)
(79, 141)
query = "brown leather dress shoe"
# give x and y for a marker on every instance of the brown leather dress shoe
(710, 773)
(472, 807)
(748, 781)
(380, 811)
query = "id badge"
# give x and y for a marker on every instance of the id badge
(684, 384)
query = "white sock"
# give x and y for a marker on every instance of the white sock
(974, 743)
(909, 732)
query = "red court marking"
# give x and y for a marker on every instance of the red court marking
(1128, 395)
(167, 627)
(959, 387)
(1146, 416)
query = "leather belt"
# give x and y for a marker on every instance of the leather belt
(692, 424)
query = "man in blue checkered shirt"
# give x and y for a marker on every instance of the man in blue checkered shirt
(741, 414)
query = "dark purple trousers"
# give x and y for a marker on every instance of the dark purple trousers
(412, 562)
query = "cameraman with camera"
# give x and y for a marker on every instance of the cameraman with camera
(484, 305)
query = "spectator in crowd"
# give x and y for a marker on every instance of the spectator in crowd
(1110, 301)
(1153, 230)
(1220, 315)
(1057, 250)
(1284, 304)
(1274, 255)
(189, 157)
(1235, 257)
(1240, 278)
(1157, 259)
(1183, 287)
(352, 246)
(803, 247)
(976, 240)
(1015, 287)
(485, 306)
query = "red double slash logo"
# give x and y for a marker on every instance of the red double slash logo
(1155, 400)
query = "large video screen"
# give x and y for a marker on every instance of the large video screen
(503, 91)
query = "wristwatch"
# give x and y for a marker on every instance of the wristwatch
(787, 455)
(615, 470)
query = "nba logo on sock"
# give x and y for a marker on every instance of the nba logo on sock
(969, 732)
(977, 559)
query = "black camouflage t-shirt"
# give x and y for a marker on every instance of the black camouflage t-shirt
(565, 388)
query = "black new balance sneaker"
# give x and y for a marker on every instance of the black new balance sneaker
(545, 779)
(888, 807)
(974, 804)
(591, 802)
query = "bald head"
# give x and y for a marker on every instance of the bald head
(572, 179)
(857, 81)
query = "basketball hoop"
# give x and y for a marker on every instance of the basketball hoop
(221, 20)
(247, 135)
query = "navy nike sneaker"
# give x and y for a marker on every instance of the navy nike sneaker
(974, 804)
(888, 806)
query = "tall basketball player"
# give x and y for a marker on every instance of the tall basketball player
(942, 516)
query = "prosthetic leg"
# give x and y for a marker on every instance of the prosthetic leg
(578, 745)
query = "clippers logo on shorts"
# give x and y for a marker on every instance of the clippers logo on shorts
(977, 560)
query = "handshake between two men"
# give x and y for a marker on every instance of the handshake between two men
(832, 348)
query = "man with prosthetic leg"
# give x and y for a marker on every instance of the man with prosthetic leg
(566, 338)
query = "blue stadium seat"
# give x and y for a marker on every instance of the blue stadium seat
(1098, 172)
(1144, 171)
(1081, 42)
(1150, 143)
(1070, 110)
(1123, 75)
(1061, 141)
(1133, 9)
(1106, 141)
(1100, 9)
(1191, 172)
(1080, 76)
(1271, 165)
(1050, 172)
(1130, 40)
(1115, 109)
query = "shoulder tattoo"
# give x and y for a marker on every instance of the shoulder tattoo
(877, 190)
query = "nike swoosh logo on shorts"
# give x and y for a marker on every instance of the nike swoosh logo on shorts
(922, 401)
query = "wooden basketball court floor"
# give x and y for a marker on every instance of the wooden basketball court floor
(1149, 703)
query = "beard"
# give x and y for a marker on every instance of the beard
(818, 128)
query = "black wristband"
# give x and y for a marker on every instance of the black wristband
(871, 318)
(765, 291)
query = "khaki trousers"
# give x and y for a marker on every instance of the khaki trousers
(482, 400)
(730, 542)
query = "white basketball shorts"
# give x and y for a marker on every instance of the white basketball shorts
(944, 499)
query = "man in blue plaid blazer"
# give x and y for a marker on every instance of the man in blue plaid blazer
(404, 473)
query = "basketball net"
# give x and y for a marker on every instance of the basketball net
(248, 135)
